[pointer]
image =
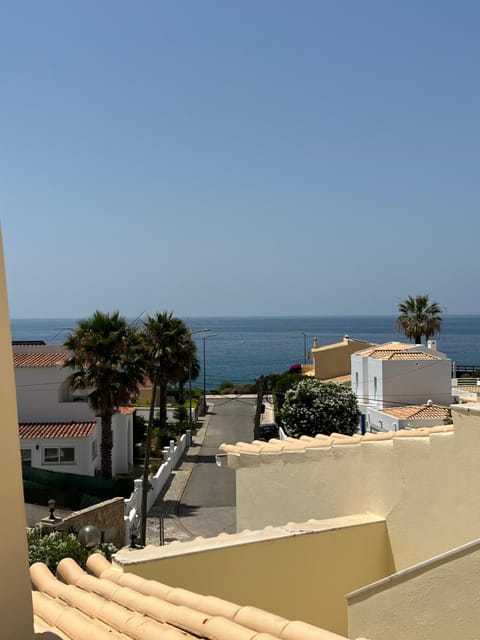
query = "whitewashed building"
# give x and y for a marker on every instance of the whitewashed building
(399, 374)
(70, 447)
(52, 416)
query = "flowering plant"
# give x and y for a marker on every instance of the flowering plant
(313, 406)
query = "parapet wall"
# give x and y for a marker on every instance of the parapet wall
(424, 482)
(298, 571)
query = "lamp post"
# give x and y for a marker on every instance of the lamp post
(304, 346)
(192, 331)
(210, 335)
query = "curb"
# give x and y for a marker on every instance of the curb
(167, 504)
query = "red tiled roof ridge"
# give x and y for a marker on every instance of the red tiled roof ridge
(412, 411)
(39, 359)
(50, 430)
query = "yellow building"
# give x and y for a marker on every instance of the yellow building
(332, 361)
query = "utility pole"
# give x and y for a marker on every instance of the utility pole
(258, 409)
(148, 444)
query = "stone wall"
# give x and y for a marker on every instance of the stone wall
(106, 516)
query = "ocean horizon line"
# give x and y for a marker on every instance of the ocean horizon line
(256, 317)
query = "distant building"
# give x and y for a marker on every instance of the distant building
(58, 429)
(399, 374)
(331, 362)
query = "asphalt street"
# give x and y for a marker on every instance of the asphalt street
(207, 507)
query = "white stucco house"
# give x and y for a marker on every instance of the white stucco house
(70, 447)
(58, 429)
(397, 375)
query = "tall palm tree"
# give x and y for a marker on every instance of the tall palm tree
(189, 369)
(169, 341)
(107, 360)
(418, 317)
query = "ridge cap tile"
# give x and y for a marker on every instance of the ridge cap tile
(99, 607)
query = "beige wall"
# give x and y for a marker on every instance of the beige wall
(16, 613)
(427, 488)
(299, 572)
(335, 361)
(438, 599)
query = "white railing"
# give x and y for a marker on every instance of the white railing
(466, 382)
(171, 456)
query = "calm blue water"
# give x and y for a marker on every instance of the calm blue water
(242, 349)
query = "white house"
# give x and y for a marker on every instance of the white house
(397, 374)
(47, 409)
(71, 447)
(406, 417)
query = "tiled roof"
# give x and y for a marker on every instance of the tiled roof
(308, 444)
(45, 359)
(340, 379)
(343, 343)
(419, 412)
(388, 346)
(384, 354)
(31, 430)
(111, 605)
(126, 411)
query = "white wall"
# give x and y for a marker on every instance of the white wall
(84, 464)
(39, 390)
(400, 382)
(122, 451)
(416, 381)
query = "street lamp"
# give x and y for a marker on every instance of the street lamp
(210, 335)
(304, 347)
(192, 331)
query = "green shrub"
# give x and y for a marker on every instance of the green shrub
(55, 546)
(313, 407)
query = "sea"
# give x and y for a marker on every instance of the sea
(241, 349)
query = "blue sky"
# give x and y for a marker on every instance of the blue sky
(239, 158)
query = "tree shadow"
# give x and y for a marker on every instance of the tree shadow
(199, 458)
(171, 509)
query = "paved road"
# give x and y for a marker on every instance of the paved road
(208, 504)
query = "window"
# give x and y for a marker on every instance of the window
(26, 457)
(375, 388)
(58, 455)
(94, 449)
(356, 381)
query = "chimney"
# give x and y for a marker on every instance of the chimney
(432, 345)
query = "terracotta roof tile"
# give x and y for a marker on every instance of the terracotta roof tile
(388, 346)
(39, 359)
(126, 411)
(114, 605)
(418, 412)
(385, 354)
(320, 441)
(35, 430)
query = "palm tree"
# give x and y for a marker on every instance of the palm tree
(188, 370)
(418, 317)
(169, 341)
(107, 359)
(169, 344)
